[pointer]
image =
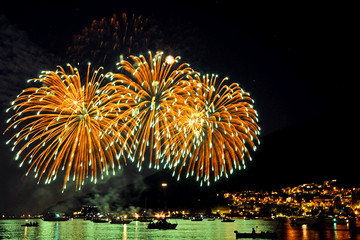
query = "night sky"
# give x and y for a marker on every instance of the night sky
(295, 59)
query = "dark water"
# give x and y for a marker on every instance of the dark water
(80, 229)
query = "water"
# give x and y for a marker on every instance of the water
(186, 229)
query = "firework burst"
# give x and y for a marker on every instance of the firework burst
(150, 94)
(154, 109)
(65, 126)
(215, 131)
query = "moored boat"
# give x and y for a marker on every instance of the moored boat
(197, 219)
(100, 220)
(120, 221)
(263, 235)
(162, 224)
(228, 220)
(144, 219)
(55, 217)
(336, 220)
(304, 220)
(88, 218)
(30, 224)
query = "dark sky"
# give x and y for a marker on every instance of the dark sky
(295, 59)
(297, 55)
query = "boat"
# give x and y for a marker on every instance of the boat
(119, 220)
(197, 219)
(211, 219)
(304, 220)
(228, 220)
(276, 219)
(30, 224)
(162, 224)
(88, 218)
(55, 217)
(144, 219)
(263, 235)
(336, 220)
(100, 220)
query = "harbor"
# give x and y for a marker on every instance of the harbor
(82, 229)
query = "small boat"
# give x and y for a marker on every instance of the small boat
(197, 219)
(88, 218)
(31, 224)
(100, 220)
(55, 217)
(264, 235)
(162, 224)
(120, 221)
(304, 220)
(336, 220)
(228, 220)
(211, 219)
(144, 219)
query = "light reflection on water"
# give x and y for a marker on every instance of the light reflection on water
(186, 229)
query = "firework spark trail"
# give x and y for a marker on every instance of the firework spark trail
(150, 95)
(105, 40)
(65, 125)
(217, 127)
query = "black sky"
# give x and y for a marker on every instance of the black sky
(296, 59)
(293, 54)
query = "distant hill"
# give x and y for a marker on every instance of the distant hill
(311, 151)
(314, 150)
